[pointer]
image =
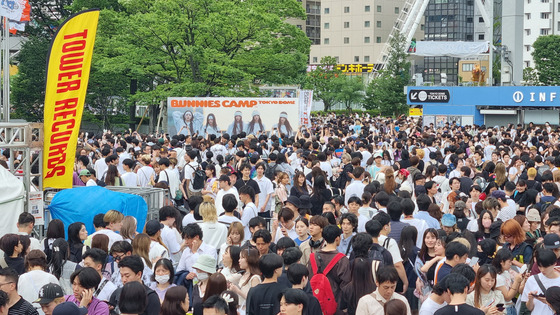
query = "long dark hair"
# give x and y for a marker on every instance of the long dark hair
(60, 255)
(74, 234)
(362, 281)
(252, 125)
(424, 249)
(174, 297)
(319, 185)
(190, 123)
(237, 125)
(301, 189)
(235, 254)
(407, 242)
(483, 271)
(112, 174)
(286, 123)
(213, 125)
(217, 284)
(55, 229)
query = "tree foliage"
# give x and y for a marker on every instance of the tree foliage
(325, 80)
(386, 91)
(350, 91)
(546, 55)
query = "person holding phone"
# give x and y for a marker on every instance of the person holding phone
(485, 296)
(533, 293)
(84, 283)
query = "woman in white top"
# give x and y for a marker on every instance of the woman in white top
(485, 296)
(235, 237)
(141, 247)
(248, 261)
(145, 172)
(60, 266)
(128, 228)
(35, 276)
(508, 282)
(215, 233)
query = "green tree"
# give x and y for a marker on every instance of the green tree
(324, 80)
(385, 92)
(546, 55)
(530, 77)
(350, 91)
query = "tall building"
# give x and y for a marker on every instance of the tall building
(541, 17)
(447, 20)
(354, 32)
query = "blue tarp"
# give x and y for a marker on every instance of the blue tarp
(83, 203)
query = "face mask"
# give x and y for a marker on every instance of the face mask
(201, 276)
(162, 279)
(486, 223)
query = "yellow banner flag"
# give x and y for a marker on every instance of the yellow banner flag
(67, 79)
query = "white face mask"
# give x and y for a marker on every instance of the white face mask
(162, 279)
(201, 276)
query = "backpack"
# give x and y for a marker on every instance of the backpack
(270, 172)
(545, 205)
(199, 178)
(379, 256)
(320, 284)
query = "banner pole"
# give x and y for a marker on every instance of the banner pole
(6, 69)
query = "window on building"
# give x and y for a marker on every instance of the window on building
(397, 10)
(367, 23)
(347, 40)
(378, 8)
(480, 36)
(378, 24)
(469, 20)
(545, 1)
(346, 24)
(366, 40)
(327, 11)
(378, 39)
(422, 27)
(367, 8)
(545, 31)
(467, 67)
(528, 47)
(327, 26)
(346, 9)
(325, 41)
(558, 26)
(314, 59)
(299, 26)
(481, 20)
(337, 59)
(528, 16)
(366, 58)
(527, 31)
(527, 64)
(356, 58)
(469, 37)
(545, 15)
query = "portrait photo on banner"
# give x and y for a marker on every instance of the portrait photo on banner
(256, 116)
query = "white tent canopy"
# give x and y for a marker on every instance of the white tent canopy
(12, 197)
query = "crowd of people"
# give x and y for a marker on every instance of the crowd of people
(351, 215)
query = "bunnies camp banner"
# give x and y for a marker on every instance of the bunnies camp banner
(68, 68)
(256, 116)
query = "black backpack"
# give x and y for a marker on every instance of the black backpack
(270, 172)
(379, 256)
(199, 178)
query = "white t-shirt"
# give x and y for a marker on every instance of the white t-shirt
(170, 240)
(130, 179)
(189, 170)
(31, 282)
(215, 234)
(228, 220)
(100, 167)
(107, 290)
(220, 195)
(266, 187)
(393, 248)
(157, 250)
(429, 307)
(531, 285)
(144, 175)
(250, 211)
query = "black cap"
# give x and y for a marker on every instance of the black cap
(69, 308)
(152, 227)
(551, 241)
(48, 293)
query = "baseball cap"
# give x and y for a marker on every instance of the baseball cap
(69, 308)
(551, 241)
(448, 220)
(152, 227)
(85, 172)
(48, 293)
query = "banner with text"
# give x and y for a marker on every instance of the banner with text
(68, 68)
(232, 115)
(305, 104)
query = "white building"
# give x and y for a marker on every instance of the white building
(541, 17)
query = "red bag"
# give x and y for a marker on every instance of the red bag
(321, 285)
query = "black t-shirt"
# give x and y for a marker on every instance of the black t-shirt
(251, 182)
(264, 299)
(152, 306)
(22, 307)
(462, 309)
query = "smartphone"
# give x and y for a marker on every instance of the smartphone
(523, 269)
(538, 295)
(473, 262)
(500, 307)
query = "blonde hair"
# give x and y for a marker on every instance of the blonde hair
(556, 176)
(113, 216)
(208, 212)
(128, 229)
(146, 159)
(500, 172)
(463, 241)
(420, 153)
(141, 247)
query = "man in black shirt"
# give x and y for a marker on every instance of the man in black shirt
(246, 179)
(16, 305)
(131, 269)
(457, 287)
(264, 298)
(298, 275)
